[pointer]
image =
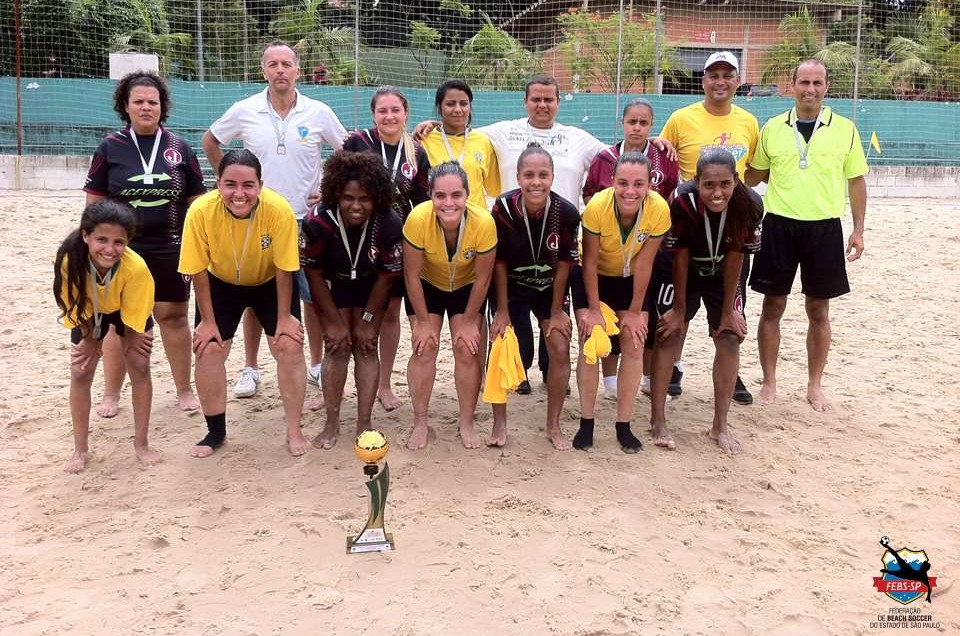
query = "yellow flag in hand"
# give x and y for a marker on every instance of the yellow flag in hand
(875, 142)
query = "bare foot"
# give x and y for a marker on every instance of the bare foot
(148, 456)
(818, 399)
(726, 441)
(316, 404)
(327, 438)
(201, 451)
(768, 394)
(297, 443)
(498, 437)
(76, 463)
(388, 400)
(418, 437)
(109, 406)
(469, 437)
(662, 437)
(558, 440)
(188, 401)
(363, 427)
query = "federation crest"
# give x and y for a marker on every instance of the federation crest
(172, 157)
(469, 253)
(265, 241)
(905, 574)
(303, 131)
(642, 236)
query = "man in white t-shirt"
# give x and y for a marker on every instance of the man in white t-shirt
(286, 131)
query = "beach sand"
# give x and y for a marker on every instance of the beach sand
(781, 540)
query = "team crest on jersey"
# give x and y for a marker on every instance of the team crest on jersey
(172, 157)
(265, 241)
(642, 236)
(372, 253)
(469, 253)
(656, 178)
(553, 242)
(478, 156)
(303, 131)
(407, 170)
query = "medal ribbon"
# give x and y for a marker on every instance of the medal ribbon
(147, 167)
(803, 149)
(446, 142)
(97, 316)
(354, 259)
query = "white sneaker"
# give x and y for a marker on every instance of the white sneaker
(246, 385)
(645, 385)
(313, 374)
(610, 387)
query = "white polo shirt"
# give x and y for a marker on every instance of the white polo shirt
(572, 150)
(296, 173)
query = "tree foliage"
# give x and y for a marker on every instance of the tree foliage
(592, 48)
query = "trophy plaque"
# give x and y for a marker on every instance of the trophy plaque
(371, 447)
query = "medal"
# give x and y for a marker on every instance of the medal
(281, 149)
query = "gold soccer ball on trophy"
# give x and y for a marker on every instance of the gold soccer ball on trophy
(371, 446)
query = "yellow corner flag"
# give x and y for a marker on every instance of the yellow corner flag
(875, 142)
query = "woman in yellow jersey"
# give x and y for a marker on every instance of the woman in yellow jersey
(99, 282)
(623, 227)
(448, 259)
(453, 140)
(240, 245)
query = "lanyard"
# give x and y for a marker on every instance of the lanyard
(280, 130)
(396, 159)
(803, 149)
(147, 167)
(354, 259)
(714, 253)
(246, 240)
(526, 221)
(451, 260)
(97, 316)
(446, 142)
(628, 256)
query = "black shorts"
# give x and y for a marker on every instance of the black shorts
(76, 335)
(707, 290)
(522, 301)
(816, 246)
(170, 286)
(230, 301)
(440, 301)
(614, 291)
(352, 293)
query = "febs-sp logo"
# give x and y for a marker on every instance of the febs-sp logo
(906, 575)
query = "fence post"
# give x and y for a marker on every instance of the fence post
(619, 65)
(856, 64)
(16, 27)
(657, 82)
(199, 40)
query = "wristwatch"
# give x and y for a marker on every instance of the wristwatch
(367, 316)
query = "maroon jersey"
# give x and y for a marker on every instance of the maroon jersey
(410, 180)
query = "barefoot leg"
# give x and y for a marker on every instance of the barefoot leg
(726, 362)
(661, 367)
(114, 371)
(498, 437)
(171, 318)
(80, 401)
(292, 381)
(818, 347)
(333, 374)
(558, 379)
(467, 373)
(768, 344)
(421, 373)
(389, 342)
(138, 366)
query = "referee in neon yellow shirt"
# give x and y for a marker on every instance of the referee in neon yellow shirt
(810, 157)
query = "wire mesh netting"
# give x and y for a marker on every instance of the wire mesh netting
(895, 65)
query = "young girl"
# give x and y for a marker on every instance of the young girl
(716, 220)
(97, 283)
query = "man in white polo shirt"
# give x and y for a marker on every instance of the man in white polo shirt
(286, 131)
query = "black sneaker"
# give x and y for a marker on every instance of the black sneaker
(523, 388)
(674, 389)
(741, 395)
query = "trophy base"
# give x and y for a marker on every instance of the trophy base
(370, 540)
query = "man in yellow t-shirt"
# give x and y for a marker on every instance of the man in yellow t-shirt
(715, 122)
(811, 157)
(240, 246)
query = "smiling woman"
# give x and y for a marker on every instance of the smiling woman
(156, 174)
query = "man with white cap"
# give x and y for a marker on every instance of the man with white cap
(715, 122)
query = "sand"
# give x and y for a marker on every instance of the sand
(781, 540)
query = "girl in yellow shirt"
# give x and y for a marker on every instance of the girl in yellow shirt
(448, 258)
(623, 227)
(99, 282)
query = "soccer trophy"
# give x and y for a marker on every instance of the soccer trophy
(371, 447)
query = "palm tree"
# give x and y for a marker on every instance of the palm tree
(316, 44)
(930, 64)
(493, 59)
(801, 42)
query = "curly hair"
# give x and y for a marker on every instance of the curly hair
(365, 168)
(141, 78)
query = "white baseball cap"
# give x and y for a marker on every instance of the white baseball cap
(722, 56)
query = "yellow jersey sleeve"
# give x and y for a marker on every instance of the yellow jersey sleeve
(195, 247)
(656, 215)
(414, 228)
(136, 291)
(593, 212)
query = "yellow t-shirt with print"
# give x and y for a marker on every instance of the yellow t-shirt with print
(130, 292)
(422, 231)
(240, 251)
(692, 130)
(617, 252)
(479, 161)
